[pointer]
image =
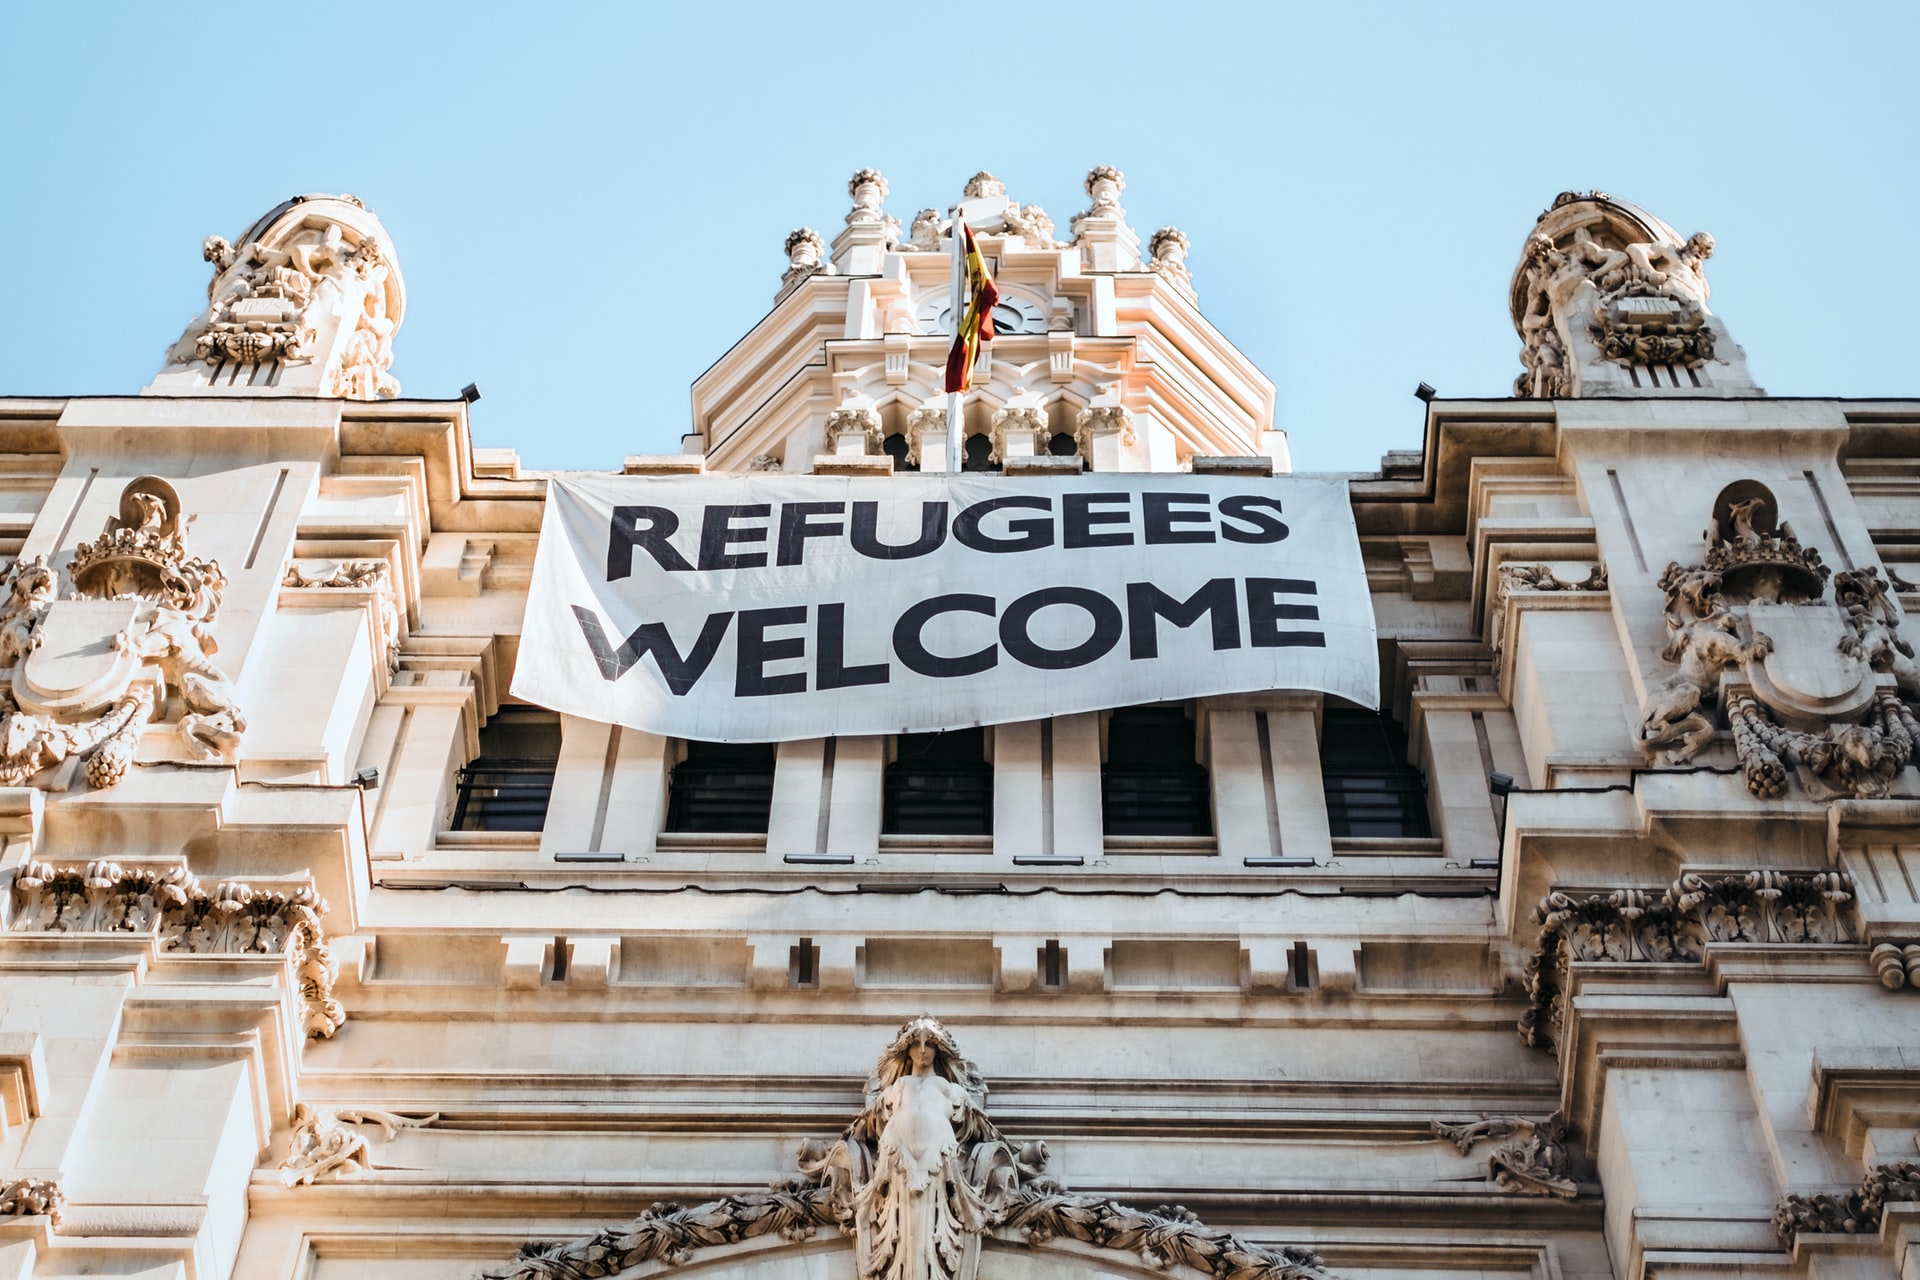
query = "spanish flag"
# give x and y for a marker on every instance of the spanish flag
(976, 326)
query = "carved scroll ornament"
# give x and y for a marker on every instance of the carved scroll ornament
(917, 1179)
(232, 918)
(326, 1143)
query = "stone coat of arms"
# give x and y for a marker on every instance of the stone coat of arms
(131, 644)
(1808, 684)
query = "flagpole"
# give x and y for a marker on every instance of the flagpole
(954, 451)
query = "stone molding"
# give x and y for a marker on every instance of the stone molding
(1633, 926)
(920, 1215)
(232, 918)
(374, 576)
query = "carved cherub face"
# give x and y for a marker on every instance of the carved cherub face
(1700, 246)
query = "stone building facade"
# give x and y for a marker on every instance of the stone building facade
(324, 958)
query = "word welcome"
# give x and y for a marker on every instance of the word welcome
(1146, 606)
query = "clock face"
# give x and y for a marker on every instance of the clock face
(1010, 315)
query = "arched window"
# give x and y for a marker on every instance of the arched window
(895, 447)
(939, 784)
(977, 455)
(1152, 784)
(1372, 788)
(722, 787)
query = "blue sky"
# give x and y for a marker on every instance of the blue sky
(589, 200)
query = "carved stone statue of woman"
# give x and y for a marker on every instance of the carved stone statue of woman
(917, 1216)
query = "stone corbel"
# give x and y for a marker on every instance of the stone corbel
(1019, 431)
(853, 431)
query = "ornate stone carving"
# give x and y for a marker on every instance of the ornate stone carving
(919, 422)
(924, 235)
(134, 642)
(1006, 422)
(1822, 680)
(233, 918)
(860, 422)
(867, 189)
(359, 575)
(1652, 308)
(1897, 965)
(917, 1179)
(804, 248)
(1168, 249)
(982, 185)
(1631, 925)
(1104, 185)
(1098, 418)
(1855, 1212)
(1515, 576)
(326, 1142)
(32, 1197)
(1032, 225)
(1534, 1161)
(264, 297)
(764, 462)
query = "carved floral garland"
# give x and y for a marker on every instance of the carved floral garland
(1855, 1212)
(923, 1224)
(1631, 925)
(233, 918)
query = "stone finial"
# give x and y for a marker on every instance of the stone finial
(1168, 248)
(983, 184)
(307, 303)
(924, 236)
(1104, 185)
(803, 247)
(867, 188)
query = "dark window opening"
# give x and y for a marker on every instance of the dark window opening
(1053, 969)
(977, 455)
(1151, 784)
(1063, 445)
(939, 784)
(1372, 789)
(722, 787)
(508, 785)
(895, 447)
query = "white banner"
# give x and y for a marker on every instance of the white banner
(761, 608)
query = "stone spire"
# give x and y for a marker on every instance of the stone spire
(306, 303)
(1609, 300)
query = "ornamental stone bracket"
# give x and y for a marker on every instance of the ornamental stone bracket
(326, 1144)
(918, 1179)
(1855, 1213)
(373, 579)
(1533, 1161)
(169, 905)
(1518, 580)
(1811, 687)
(133, 643)
(1782, 908)
(32, 1198)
